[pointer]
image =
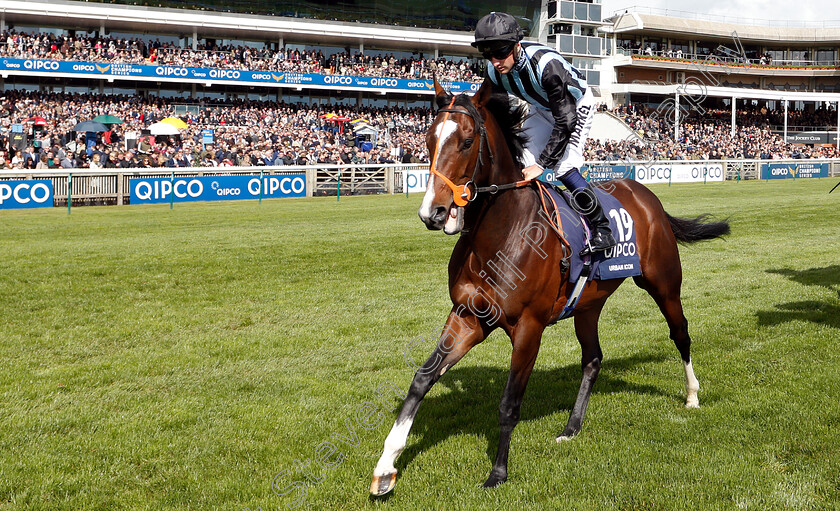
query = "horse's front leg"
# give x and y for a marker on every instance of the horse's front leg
(526, 344)
(461, 332)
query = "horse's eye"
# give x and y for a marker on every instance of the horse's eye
(468, 143)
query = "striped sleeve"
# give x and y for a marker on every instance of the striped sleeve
(563, 102)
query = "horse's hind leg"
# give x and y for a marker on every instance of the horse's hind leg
(461, 332)
(586, 328)
(665, 291)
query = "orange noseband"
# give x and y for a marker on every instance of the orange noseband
(461, 195)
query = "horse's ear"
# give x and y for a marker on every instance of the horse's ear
(483, 94)
(442, 98)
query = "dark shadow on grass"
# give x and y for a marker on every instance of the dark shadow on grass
(828, 277)
(472, 404)
(822, 313)
(812, 311)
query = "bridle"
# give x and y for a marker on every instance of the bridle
(468, 192)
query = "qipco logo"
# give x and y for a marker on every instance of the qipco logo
(156, 190)
(37, 65)
(24, 193)
(384, 82)
(171, 71)
(340, 80)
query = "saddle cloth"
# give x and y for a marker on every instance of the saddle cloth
(620, 261)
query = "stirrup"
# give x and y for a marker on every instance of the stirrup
(588, 249)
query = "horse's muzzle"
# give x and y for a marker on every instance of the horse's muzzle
(436, 220)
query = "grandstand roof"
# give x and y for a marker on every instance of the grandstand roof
(126, 18)
(676, 26)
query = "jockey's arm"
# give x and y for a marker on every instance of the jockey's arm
(564, 111)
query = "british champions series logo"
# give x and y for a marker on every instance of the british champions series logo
(295, 78)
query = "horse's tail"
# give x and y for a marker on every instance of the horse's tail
(689, 230)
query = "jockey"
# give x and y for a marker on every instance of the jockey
(562, 107)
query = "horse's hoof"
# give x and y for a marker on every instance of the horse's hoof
(381, 485)
(692, 403)
(568, 433)
(494, 480)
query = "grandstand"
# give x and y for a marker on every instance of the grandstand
(282, 87)
(783, 70)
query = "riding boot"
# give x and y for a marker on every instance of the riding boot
(585, 201)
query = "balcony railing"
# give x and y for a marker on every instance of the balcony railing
(729, 60)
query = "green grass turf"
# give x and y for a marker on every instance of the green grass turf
(157, 359)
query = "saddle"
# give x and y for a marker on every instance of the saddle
(618, 262)
(572, 228)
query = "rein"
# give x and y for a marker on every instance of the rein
(469, 191)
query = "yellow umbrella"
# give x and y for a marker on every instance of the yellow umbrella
(178, 123)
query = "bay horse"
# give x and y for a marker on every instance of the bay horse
(504, 274)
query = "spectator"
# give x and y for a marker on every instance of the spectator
(42, 162)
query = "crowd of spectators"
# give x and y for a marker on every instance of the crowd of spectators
(246, 133)
(270, 133)
(209, 55)
(708, 136)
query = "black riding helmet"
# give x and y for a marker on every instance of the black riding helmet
(497, 30)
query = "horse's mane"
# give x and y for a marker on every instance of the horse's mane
(510, 114)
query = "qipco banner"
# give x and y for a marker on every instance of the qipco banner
(793, 170)
(189, 74)
(679, 173)
(33, 193)
(416, 180)
(158, 190)
(607, 172)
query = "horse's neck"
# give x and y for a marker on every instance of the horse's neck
(504, 169)
(498, 222)
(508, 212)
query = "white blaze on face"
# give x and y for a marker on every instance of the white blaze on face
(443, 132)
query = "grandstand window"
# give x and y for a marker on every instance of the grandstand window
(117, 91)
(560, 28)
(326, 50)
(34, 87)
(580, 45)
(777, 55)
(825, 55)
(655, 44)
(551, 9)
(752, 52)
(680, 45)
(375, 102)
(169, 93)
(240, 42)
(706, 47)
(567, 10)
(296, 98)
(629, 44)
(210, 95)
(146, 38)
(35, 30)
(798, 55)
(594, 45)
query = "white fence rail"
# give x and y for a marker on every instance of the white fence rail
(111, 186)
